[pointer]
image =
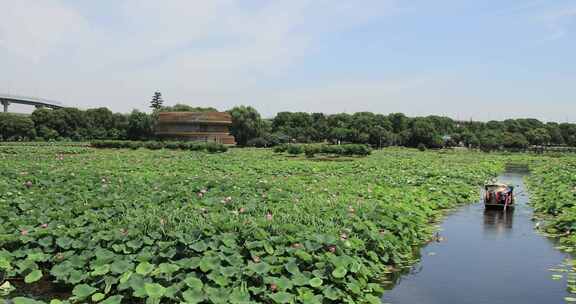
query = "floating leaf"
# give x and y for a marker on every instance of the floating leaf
(259, 268)
(339, 272)
(282, 297)
(32, 277)
(154, 290)
(113, 300)
(316, 282)
(193, 282)
(97, 297)
(83, 291)
(144, 268)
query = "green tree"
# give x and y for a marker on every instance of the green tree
(423, 131)
(246, 124)
(514, 140)
(140, 126)
(555, 133)
(539, 136)
(490, 140)
(157, 101)
(16, 127)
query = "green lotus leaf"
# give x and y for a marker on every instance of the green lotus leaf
(46, 241)
(239, 296)
(113, 300)
(331, 293)
(316, 282)
(190, 263)
(193, 296)
(259, 268)
(32, 277)
(167, 268)
(339, 272)
(193, 282)
(282, 297)
(100, 270)
(64, 242)
(121, 266)
(144, 268)
(154, 290)
(218, 295)
(303, 255)
(292, 268)
(199, 246)
(371, 299)
(83, 291)
(209, 263)
(22, 300)
(97, 297)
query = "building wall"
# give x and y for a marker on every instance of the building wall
(195, 126)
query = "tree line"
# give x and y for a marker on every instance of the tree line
(250, 129)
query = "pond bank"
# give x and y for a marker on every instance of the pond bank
(485, 256)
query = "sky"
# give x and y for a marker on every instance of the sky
(466, 59)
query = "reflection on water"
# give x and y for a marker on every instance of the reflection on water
(485, 256)
(498, 221)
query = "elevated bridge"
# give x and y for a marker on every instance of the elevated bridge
(7, 99)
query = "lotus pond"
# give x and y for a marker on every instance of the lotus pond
(81, 225)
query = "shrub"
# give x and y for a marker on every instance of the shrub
(332, 149)
(211, 147)
(135, 145)
(310, 151)
(258, 142)
(295, 149)
(421, 147)
(154, 145)
(215, 147)
(197, 146)
(280, 148)
(185, 145)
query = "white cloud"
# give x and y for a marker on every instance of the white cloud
(34, 29)
(559, 22)
(59, 50)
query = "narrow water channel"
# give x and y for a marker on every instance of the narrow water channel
(487, 256)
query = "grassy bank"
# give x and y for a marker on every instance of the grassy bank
(553, 195)
(247, 226)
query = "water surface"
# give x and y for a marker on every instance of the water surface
(488, 256)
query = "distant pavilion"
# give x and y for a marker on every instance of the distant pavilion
(195, 126)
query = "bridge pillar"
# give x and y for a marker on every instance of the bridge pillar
(5, 103)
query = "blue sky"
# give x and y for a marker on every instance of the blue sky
(465, 59)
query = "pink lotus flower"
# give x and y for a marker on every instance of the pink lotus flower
(227, 200)
(124, 231)
(28, 184)
(162, 222)
(44, 225)
(273, 287)
(256, 259)
(343, 236)
(297, 245)
(332, 248)
(23, 232)
(242, 210)
(269, 216)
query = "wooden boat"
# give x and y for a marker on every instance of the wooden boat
(499, 195)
